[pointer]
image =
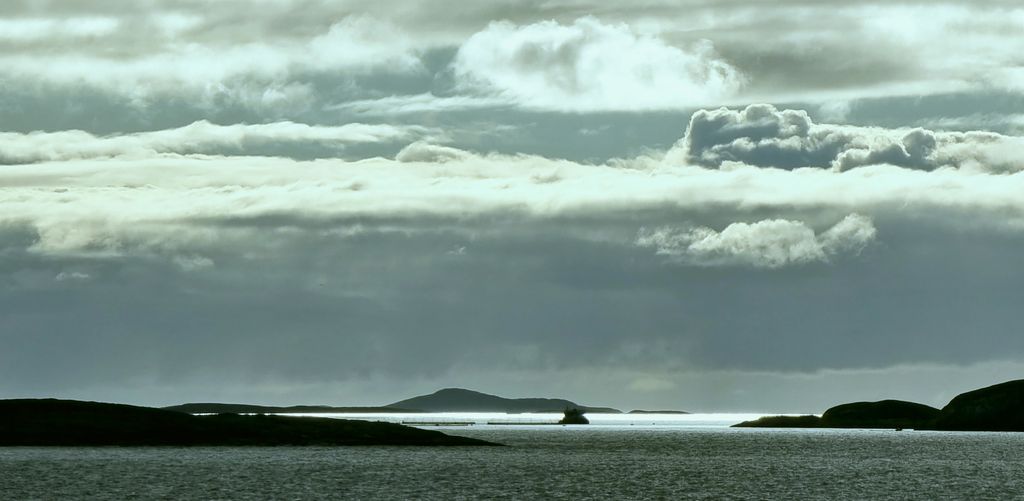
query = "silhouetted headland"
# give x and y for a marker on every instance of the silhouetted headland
(460, 400)
(54, 422)
(218, 408)
(995, 408)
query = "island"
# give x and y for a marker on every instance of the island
(462, 400)
(52, 422)
(995, 408)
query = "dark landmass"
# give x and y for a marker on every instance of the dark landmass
(573, 416)
(995, 408)
(50, 422)
(882, 414)
(215, 408)
(641, 411)
(460, 400)
(808, 421)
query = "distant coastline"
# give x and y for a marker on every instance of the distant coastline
(998, 407)
(444, 400)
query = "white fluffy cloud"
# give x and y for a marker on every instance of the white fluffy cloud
(771, 243)
(763, 136)
(592, 66)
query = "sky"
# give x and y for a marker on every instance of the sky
(735, 205)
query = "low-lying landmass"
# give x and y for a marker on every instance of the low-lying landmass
(51, 422)
(446, 400)
(461, 400)
(641, 411)
(806, 421)
(218, 408)
(995, 408)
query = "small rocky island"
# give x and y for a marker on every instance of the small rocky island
(53, 422)
(574, 416)
(995, 408)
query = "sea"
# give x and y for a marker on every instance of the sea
(616, 457)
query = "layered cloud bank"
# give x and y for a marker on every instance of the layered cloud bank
(288, 59)
(728, 160)
(283, 138)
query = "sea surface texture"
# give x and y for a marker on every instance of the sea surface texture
(547, 462)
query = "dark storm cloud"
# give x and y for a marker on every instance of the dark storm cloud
(516, 294)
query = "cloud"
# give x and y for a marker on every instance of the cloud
(270, 74)
(318, 52)
(74, 28)
(198, 137)
(419, 103)
(430, 153)
(591, 66)
(127, 203)
(71, 276)
(764, 136)
(771, 243)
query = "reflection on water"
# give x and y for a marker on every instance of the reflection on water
(547, 462)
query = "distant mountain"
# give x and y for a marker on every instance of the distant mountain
(216, 408)
(461, 400)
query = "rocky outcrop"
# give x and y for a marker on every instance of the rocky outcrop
(574, 416)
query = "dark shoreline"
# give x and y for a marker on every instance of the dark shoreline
(51, 422)
(998, 407)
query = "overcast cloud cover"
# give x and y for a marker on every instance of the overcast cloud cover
(698, 205)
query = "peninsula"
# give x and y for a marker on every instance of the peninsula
(51, 422)
(218, 408)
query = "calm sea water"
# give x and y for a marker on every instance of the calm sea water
(610, 461)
